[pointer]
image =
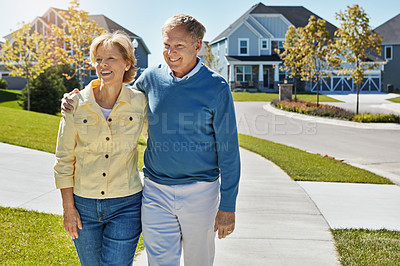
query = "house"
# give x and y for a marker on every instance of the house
(52, 16)
(390, 32)
(247, 50)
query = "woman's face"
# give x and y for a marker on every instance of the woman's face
(110, 65)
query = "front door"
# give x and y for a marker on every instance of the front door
(266, 77)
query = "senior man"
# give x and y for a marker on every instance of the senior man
(192, 142)
(192, 164)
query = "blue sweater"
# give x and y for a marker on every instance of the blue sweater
(192, 131)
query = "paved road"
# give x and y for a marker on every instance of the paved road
(370, 147)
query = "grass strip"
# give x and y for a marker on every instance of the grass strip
(367, 247)
(395, 100)
(9, 95)
(304, 166)
(33, 238)
(269, 97)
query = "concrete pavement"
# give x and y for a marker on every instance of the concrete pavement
(368, 102)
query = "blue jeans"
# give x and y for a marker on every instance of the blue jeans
(110, 230)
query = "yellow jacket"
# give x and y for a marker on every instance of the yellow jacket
(99, 158)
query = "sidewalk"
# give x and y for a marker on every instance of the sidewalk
(277, 222)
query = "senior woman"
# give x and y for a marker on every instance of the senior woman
(97, 156)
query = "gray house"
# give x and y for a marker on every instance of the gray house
(246, 51)
(52, 16)
(390, 31)
(246, 48)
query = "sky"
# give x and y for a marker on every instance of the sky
(145, 17)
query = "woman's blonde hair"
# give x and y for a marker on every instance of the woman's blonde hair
(121, 40)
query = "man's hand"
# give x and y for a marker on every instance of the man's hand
(72, 221)
(224, 223)
(66, 102)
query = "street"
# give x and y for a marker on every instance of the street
(374, 149)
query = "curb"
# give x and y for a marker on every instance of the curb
(331, 121)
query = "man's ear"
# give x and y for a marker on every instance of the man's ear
(198, 44)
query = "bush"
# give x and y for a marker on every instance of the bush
(3, 84)
(47, 90)
(325, 110)
(309, 108)
(377, 118)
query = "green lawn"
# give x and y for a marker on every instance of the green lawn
(395, 100)
(304, 166)
(268, 97)
(33, 238)
(367, 247)
(9, 98)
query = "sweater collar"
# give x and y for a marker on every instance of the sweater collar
(190, 74)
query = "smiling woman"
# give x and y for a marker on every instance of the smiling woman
(96, 157)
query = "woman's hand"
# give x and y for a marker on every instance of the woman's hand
(71, 217)
(72, 221)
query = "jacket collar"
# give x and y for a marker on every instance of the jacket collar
(87, 96)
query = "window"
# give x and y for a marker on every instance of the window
(243, 46)
(93, 73)
(280, 44)
(388, 53)
(264, 44)
(243, 73)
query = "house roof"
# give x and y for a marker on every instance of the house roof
(102, 21)
(112, 26)
(390, 30)
(297, 15)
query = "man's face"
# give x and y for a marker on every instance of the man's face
(180, 51)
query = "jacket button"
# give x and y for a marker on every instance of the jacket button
(109, 120)
(102, 193)
(106, 156)
(85, 121)
(104, 174)
(107, 138)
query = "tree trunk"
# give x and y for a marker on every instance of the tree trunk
(318, 84)
(295, 88)
(358, 97)
(28, 90)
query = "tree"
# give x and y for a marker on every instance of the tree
(316, 57)
(291, 55)
(28, 55)
(47, 90)
(75, 38)
(3, 84)
(356, 40)
(210, 59)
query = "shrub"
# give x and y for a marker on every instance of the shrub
(325, 110)
(377, 118)
(47, 90)
(3, 84)
(309, 108)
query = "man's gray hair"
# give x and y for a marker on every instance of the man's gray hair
(193, 26)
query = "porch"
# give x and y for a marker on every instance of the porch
(249, 75)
